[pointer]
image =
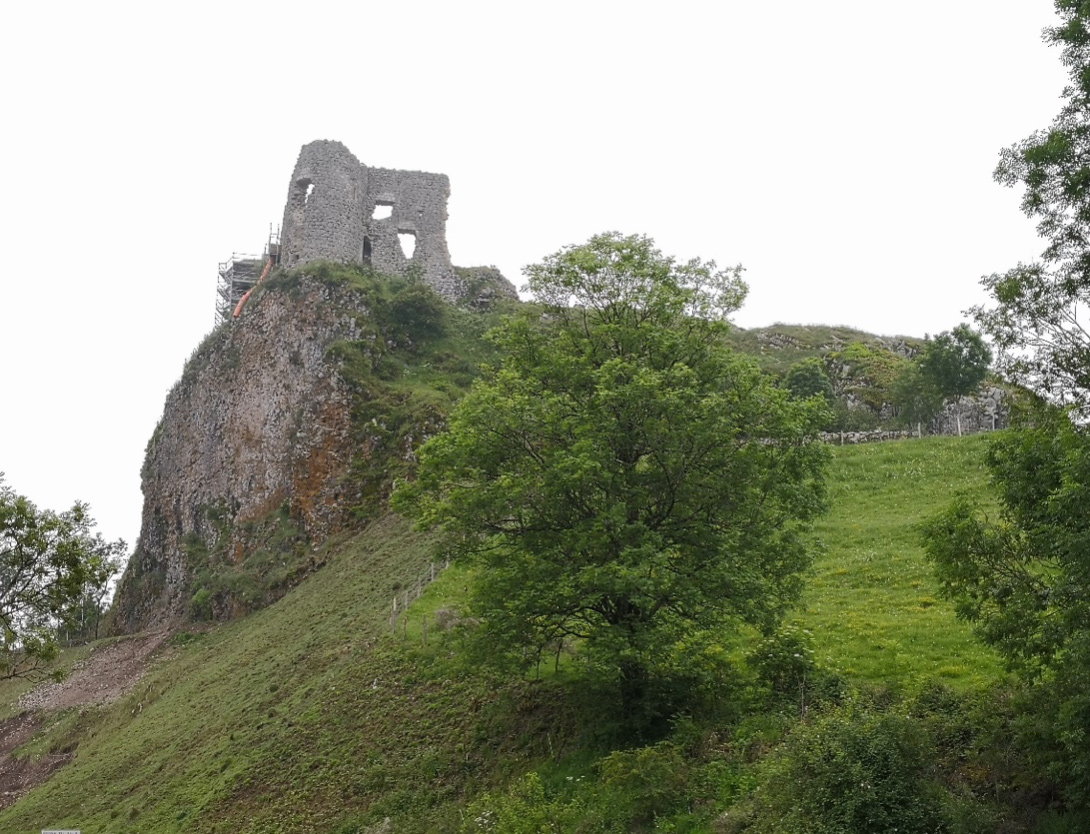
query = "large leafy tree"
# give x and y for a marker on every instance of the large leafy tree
(622, 479)
(954, 363)
(49, 563)
(950, 366)
(1039, 318)
(1022, 574)
(915, 397)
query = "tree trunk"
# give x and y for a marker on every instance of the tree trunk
(634, 680)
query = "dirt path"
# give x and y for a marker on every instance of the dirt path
(104, 676)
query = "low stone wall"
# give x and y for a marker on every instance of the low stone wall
(851, 438)
(988, 410)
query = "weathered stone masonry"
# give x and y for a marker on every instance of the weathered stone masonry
(341, 210)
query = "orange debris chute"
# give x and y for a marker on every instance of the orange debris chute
(246, 297)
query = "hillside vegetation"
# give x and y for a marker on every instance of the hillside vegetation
(312, 716)
(779, 346)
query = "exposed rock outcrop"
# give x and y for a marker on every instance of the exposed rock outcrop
(484, 286)
(259, 422)
(986, 410)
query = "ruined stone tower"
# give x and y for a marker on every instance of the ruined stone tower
(341, 210)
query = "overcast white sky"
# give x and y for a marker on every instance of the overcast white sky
(842, 151)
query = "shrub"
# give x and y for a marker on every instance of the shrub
(784, 659)
(867, 372)
(521, 809)
(853, 771)
(417, 312)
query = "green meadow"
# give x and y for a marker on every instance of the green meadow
(871, 601)
(313, 715)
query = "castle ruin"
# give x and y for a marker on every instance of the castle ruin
(341, 210)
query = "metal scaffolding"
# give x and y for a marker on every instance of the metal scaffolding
(238, 275)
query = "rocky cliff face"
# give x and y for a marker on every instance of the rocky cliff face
(260, 423)
(291, 424)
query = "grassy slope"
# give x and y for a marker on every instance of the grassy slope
(308, 716)
(872, 602)
(288, 720)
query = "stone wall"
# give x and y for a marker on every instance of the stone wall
(987, 410)
(323, 216)
(330, 214)
(852, 438)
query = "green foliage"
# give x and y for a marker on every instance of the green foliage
(853, 770)
(915, 396)
(622, 478)
(785, 659)
(485, 287)
(276, 555)
(1022, 576)
(200, 605)
(643, 784)
(642, 789)
(865, 378)
(846, 418)
(417, 312)
(521, 809)
(51, 567)
(867, 372)
(955, 362)
(808, 379)
(1035, 322)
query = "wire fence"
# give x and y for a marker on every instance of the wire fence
(412, 592)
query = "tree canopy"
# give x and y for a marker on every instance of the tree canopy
(952, 365)
(955, 361)
(622, 479)
(50, 563)
(1021, 574)
(808, 378)
(1038, 321)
